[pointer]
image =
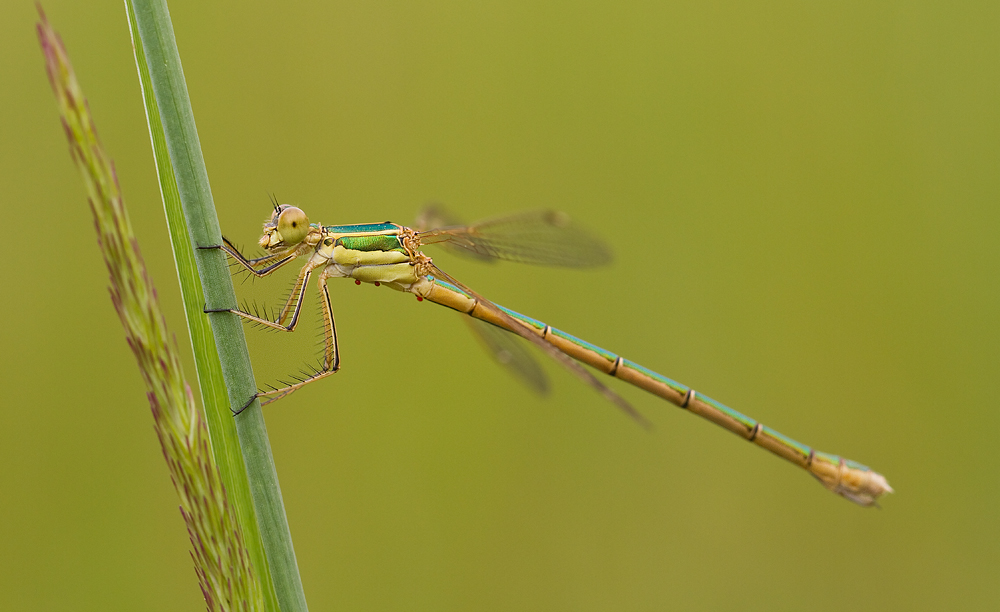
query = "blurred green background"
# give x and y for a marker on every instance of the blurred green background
(802, 198)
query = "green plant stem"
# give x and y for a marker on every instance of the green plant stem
(222, 561)
(193, 222)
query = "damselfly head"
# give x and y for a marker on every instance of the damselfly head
(287, 227)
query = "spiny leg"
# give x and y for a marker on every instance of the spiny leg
(331, 352)
(259, 266)
(331, 349)
(293, 305)
(296, 298)
(291, 309)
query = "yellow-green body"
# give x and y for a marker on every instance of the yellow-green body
(389, 254)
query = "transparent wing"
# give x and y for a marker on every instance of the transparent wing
(505, 348)
(525, 332)
(436, 216)
(542, 237)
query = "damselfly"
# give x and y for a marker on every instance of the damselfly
(389, 254)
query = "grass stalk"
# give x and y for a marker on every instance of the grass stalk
(222, 561)
(240, 444)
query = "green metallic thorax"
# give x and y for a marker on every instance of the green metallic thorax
(371, 243)
(367, 237)
(371, 253)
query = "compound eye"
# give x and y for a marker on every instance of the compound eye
(293, 225)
